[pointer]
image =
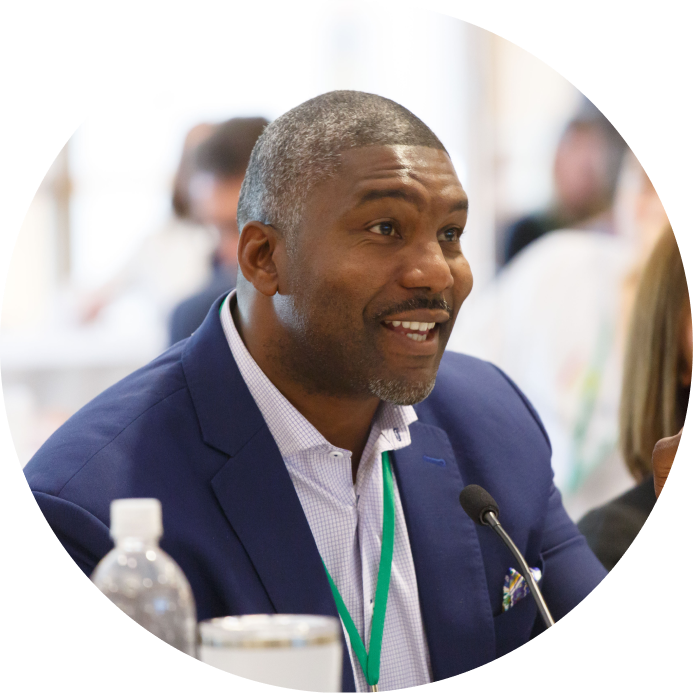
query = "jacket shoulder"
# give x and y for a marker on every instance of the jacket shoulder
(469, 389)
(103, 420)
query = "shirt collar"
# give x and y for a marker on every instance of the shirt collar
(292, 432)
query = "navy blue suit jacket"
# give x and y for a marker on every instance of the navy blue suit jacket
(185, 429)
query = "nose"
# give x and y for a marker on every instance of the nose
(426, 267)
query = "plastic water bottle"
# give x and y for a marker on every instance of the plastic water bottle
(142, 580)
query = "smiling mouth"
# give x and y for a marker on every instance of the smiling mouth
(414, 330)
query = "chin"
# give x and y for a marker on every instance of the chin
(401, 392)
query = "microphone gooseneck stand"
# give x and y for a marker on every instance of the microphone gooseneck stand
(481, 507)
(491, 519)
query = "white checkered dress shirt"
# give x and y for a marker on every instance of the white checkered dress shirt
(346, 519)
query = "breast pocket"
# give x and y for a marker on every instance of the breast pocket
(514, 627)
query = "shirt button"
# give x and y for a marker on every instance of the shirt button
(336, 454)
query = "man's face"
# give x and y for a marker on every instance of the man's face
(369, 292)
(581, 171)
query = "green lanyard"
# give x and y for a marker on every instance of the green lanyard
(370, 662)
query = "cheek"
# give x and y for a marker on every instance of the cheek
(333, 294)
(347, 279)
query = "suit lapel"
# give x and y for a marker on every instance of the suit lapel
(450, 572)
(254, 488)
(259, 500)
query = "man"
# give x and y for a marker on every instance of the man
(219, 166)
(271, 435)
(585, 173)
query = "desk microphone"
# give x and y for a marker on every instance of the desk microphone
(480, 506)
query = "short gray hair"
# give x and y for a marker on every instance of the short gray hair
(303, 147)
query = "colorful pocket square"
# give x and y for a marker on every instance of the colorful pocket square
(516, 588)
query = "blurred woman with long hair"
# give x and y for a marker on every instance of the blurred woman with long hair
(654, 395)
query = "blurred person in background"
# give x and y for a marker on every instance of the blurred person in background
(214, 187)
(585, 173)
(654, 397)
(555, 320)
(172, 262)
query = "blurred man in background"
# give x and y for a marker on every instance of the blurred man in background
(585, 173)
(219, 164)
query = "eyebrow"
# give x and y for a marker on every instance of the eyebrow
(396, 193)
(460, 205)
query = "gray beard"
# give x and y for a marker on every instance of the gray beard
(401, 393)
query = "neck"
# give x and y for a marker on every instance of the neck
(343, 421)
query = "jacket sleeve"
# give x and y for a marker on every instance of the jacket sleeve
(85, 538)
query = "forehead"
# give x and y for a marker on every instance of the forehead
(423, 175)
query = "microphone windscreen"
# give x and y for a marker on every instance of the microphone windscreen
(476, 502)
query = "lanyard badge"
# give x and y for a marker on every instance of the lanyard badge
(370, 661)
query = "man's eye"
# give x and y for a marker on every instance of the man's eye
(453, 235)
(383, 228)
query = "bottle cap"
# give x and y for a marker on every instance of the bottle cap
(136, 518)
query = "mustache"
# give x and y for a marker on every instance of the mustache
(420, 302)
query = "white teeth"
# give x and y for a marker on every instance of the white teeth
(412, 325)
(416, 337)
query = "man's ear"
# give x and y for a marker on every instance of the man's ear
(256, 256)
